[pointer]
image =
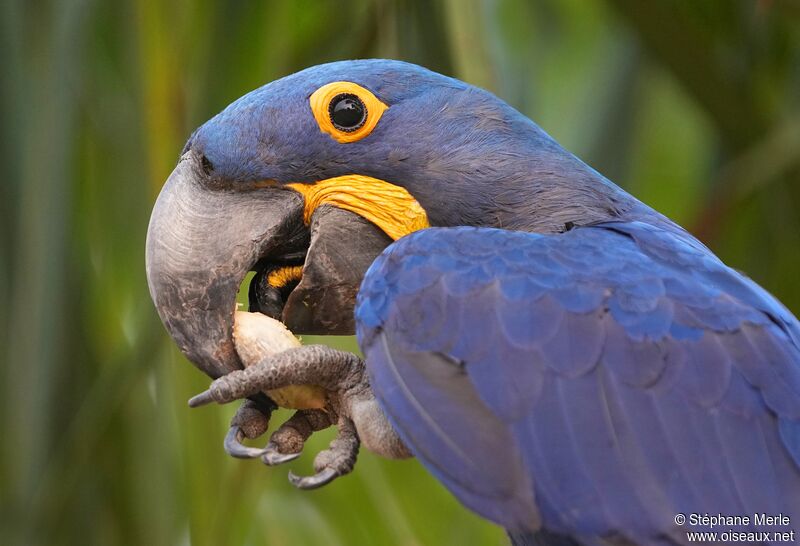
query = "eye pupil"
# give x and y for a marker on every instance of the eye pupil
(347, 112)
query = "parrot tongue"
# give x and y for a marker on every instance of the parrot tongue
(317, 295)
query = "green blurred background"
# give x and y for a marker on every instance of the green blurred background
(692, 105)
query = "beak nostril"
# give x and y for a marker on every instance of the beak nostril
(208, 167)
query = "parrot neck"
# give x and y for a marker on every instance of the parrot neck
(554, 192)
(550, 190)
(546, 189)
(543, 189)
(502, 170)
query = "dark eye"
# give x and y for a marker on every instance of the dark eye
(347, 112)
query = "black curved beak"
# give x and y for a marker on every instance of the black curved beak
(201, 242)
(204, 237)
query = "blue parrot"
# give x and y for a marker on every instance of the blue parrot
(568, 362)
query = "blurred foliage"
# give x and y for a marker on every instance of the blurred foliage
(693, 106)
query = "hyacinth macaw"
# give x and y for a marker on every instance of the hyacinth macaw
(568, 362)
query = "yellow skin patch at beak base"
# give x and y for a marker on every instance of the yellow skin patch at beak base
(389, 207)
(278, 278)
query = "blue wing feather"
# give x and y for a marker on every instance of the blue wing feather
(621, 372)
(437, 396)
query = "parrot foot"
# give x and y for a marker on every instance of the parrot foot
(338, 372)
(235, 448)
(351, 406)
(287, 442)
(250, 421)
(338, 460)
(273, 457)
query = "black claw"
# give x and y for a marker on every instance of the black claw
(201, 399)
(319, 479)
(272, 457)
(235, 448)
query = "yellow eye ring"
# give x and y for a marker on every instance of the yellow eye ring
(322, 105)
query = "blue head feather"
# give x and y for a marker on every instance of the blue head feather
(468, 157)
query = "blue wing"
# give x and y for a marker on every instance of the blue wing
(594, 383)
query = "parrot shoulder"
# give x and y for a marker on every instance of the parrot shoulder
(593, 380)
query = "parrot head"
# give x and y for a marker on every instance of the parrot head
(307, 179)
